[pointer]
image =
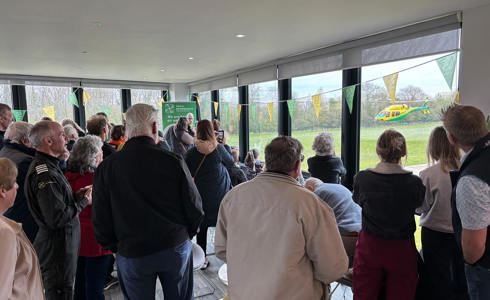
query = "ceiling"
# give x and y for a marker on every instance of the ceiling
(134, 40)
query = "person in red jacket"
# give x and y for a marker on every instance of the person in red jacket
(93, 260)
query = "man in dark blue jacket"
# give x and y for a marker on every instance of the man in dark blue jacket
(6, 117)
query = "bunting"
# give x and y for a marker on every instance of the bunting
(73, 99)
(270, 107)
(317, 101)
(447, 65)
(216, 104)
(49, 111)
(106, 110)
(253, 110)
(349, 96)
(390, 83)
(291, 107)
(456, 99)
(18, 114)
(198, 101)
(160, 102)
(124, 116)
(226, 110)
(239, 110)
(86, 97)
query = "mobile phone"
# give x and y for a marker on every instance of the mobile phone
(220, 134)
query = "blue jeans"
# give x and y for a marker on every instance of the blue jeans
(173, 266)
(478, 282)
(90, 278)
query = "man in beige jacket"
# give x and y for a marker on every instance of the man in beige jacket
(280, 240)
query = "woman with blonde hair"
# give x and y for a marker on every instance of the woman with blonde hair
(388, 195)
(20, 275)
(443, 261)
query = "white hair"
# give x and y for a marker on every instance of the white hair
(323, 144)
(83, 157)
(70, 131)
(18, 132)
(139, 119)
(312, 183)
(39, 131)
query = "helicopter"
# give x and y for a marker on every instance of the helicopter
(399, 112)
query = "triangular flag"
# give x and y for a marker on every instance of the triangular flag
(239, 110)
(18, 114)
(390, 82)
(190, 97)
(106, 110)
(317, 101)
(216, 104)
(291, 107)
(160, 102)
(253, 110)
(456, 99)
(226, 109)
(198, 101)
(49, 111)
(447, 65)
(270, 106)
(86, 96)
(167, 96)
(73, 99)
(124, 116)
(349, 96)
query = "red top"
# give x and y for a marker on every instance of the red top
(88, 244)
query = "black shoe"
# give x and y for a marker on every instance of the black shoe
(110, 283)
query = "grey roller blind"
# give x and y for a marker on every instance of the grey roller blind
(309, 66)
(257, 75)
(214, 84)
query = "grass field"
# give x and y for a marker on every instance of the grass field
(416, 136)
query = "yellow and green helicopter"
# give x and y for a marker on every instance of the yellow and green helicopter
(400, 111)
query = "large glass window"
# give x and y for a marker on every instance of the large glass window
(43, 100)
(423, 85)
(6, 94)
(106, 100)
(150, 97)
(305, 124)
(228, 103)
(205, 105)
(262, 127)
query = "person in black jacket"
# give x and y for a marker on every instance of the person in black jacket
(6, 117)
(147, 208)
(55, 208)
(18, 149)
(325, 165)
(236, 174)
(99, 126)
(388, 195)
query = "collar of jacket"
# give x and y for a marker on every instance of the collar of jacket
(20, 147)
(48, 157)
(206, 146)
(268, 175)
(14, 225)
(480, 146)
(141, 140)
(389, 168)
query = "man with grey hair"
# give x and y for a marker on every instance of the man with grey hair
(470, 199)
(325, 165)
(147, 208)
(6, 118)
(55, 208)
(274, 227)
(18, 149)
(71, 135)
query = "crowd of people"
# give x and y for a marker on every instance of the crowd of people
(137, 196)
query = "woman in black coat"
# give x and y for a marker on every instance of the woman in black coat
(325, 165)
(207, 163)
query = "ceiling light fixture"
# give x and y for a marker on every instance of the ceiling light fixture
(84, 52)
(240, 36)
(191, 58)
(162, 70)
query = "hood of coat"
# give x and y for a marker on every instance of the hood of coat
(390, 168)
(205, 146)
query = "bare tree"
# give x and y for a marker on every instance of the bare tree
(411, 92)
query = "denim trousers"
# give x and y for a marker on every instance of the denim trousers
(478, 282)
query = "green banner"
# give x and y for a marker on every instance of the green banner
(18, 114)
(73, 99)
(172, 111)
(349, 96)
(447, 65)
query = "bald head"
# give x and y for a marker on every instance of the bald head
(312, 183)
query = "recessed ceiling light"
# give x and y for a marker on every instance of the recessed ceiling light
(84, 52)
(240, 36)
(191, 58)
(162, 70)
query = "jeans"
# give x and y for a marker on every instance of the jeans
(90, 278)
(478, 282)
(173, 266)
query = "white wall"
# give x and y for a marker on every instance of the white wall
(179, 92)
(475, 75)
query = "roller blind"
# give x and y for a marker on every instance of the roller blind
(258, 75)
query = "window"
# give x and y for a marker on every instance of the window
(414, 87)
(205, 105)
(6, 94)
(150, 97)
(262, 129)
(106, 100)
(40, 97)
(228, 99)
(305, 124)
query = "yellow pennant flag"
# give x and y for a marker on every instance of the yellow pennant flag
(160, 102)
(270, 106)
(198, 101)
(49, 111)
(390, 82)
(86, 96)
(124, 116)
(216, 108)
(317, 101)
(456, 99)
(239, 110)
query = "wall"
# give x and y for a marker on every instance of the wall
(179, 92)
(475, 75)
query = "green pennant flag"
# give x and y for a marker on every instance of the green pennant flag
(190, 97)
(291, 107)
(226, 110)
(106, 110)
(168, 96)
(447, 65)
(18, 114)
(253, 108)
(349, 96)
(73, 99)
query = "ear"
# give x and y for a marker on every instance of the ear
(3, 193)
(451, 138)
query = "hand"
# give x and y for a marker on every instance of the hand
(85, 192)
(65, 155)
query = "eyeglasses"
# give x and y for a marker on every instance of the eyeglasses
(301, 157)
